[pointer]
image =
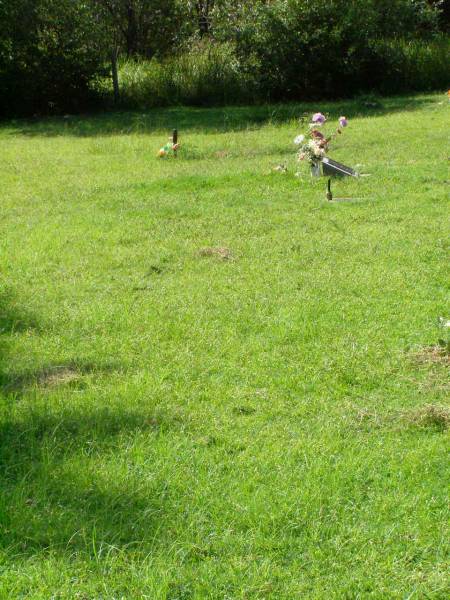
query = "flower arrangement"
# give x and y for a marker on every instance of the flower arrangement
(169, 148)
(314, 144)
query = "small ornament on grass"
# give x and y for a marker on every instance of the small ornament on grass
(172, 146)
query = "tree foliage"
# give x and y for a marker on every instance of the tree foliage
(141, 27)
(51, 50)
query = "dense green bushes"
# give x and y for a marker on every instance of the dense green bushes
(49, 52)
(213, 74)
(297, 49)
(335, 48)
(55, 54)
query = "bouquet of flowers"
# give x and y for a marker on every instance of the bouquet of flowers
(314, 144)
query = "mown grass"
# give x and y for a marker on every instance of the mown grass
(181, 423)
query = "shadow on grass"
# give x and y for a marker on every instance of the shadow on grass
(13, 321)
(61, 486)
(71, 372)
(206, 120)
(57, 492)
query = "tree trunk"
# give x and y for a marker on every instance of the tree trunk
(203, 9)
(132, 30)
(115, 76)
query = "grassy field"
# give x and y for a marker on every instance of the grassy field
(214, 383)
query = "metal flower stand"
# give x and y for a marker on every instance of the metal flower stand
(316, 169)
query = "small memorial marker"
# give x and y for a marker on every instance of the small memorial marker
(332, 167)
(175, 142)
(171, 147)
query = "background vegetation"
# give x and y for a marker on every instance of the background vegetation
(65, 55)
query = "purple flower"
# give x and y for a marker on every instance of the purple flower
(318, 118)
(343, 122)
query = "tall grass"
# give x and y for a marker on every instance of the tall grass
(210, 73)
(413, 65)
(206, 74)
(427, 65)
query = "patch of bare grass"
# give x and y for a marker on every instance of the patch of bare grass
(433, 354)
(221, 252)
(57, 376)
(429, 416)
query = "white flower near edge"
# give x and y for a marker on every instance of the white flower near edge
(299, 139)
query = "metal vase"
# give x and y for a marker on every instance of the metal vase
(316, 170)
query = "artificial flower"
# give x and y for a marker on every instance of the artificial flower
(314, 144)
(318, 118)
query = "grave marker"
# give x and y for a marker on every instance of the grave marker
(175, 140)
(332, 167)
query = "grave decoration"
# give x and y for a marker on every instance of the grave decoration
(314, 145)
(332, 167)
(331, 198)
(172, 146)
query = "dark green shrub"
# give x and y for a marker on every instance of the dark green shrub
(49, 52)
(336, 48)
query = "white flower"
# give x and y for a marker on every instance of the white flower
(316, 149)
(444, 322)
(299, 139)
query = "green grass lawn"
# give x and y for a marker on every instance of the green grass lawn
(177, 424)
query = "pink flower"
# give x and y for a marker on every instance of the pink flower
(343, 122)
(318, 118)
